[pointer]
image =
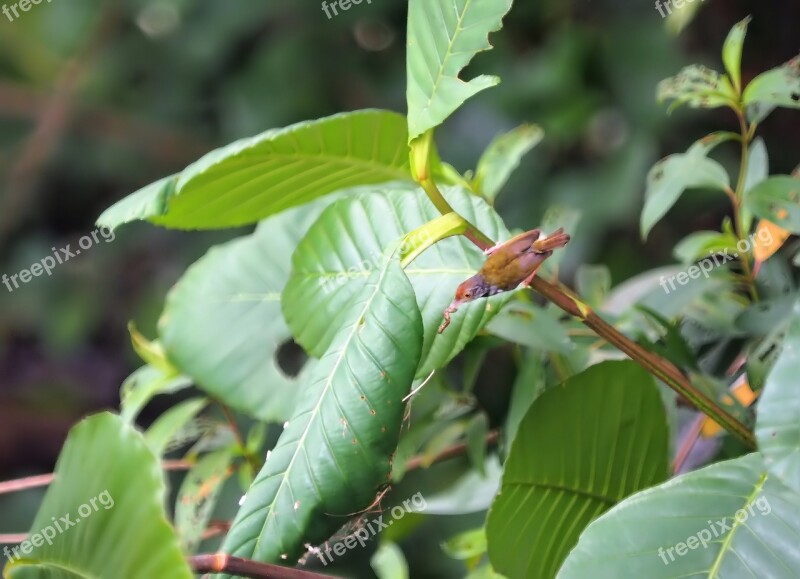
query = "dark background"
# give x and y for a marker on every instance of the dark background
(100, 98)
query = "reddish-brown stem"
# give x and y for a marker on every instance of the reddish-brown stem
(222, 563)
(42, 480)
(452, 451)
(657, 366)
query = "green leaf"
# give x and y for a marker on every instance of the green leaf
(143, 385)
(757, 171)
(680, 529)
(222, 323)
(593, 283)
(669, 178)
(779, 87)
(198, 496)
(443, 36)
(732, 52)
(699, 87)
(109, 485)
(466, 545)
(701, 244)
(345, 245)
(528, 386)
(563, 473)
(502, 157)
(388, 562)
(256, 177)
(778, 423)
(530, 325)
(477, 430)
(778, 200)
(335, 452)
(169, 424)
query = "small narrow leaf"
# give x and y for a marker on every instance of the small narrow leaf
(162, 432)
(699, 87)
(443, 36)
(732, 52)
(198, 496)
(700, 244)
(502, 157)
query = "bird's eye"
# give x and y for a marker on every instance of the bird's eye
(467, 294)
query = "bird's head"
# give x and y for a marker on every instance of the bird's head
(471, 289)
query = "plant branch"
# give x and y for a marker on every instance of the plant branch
(42, 480)
(567, 301)
(222, 563)
(418, 462)
(737, 202)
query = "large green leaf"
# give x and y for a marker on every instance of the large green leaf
(334, 454)
(256, 177)
(728, 520)
(443, 36)
(669, 178)
(777, 200)
(580, 449)
(108, 502)
(778, 424)
(222, 324)
(342, 249)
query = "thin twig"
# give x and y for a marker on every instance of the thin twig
(452, 451)
(42, 480)
(222, 563)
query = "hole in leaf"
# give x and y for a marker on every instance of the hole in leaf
(291, 358)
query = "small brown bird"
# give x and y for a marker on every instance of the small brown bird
(509, 264)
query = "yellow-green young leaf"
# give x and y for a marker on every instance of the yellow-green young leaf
(730, 519)
(580, 449)
(778, 423)
(732, 52)
(345, 245)
(256, 177)
(103, 516)
(777, 200)
(779, 87)
(222, 323)
(334, 455)
(443, 36)
(502, 157)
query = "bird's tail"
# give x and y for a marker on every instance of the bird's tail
(550, 242)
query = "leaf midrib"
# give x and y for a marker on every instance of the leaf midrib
(327, 387)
